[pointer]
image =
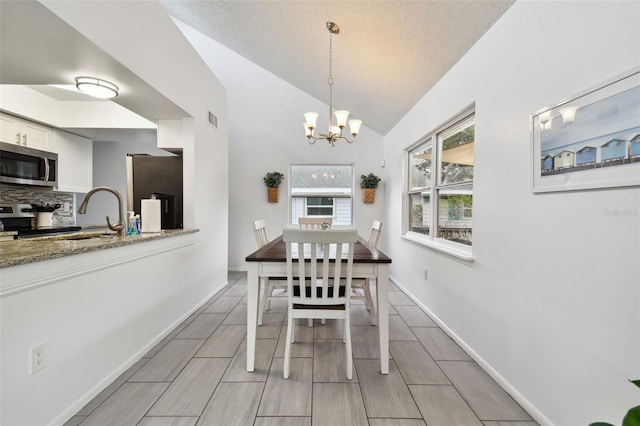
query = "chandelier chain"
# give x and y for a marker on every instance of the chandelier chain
(330, 58)
(334, 133)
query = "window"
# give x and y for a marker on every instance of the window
(439, 207)
(319, 206)
(322, 190)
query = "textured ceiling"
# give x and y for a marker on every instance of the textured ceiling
(387, 56)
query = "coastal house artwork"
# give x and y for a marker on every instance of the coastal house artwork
(603, 133)
(613, 152)
(586, 155)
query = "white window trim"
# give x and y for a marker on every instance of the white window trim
(441, 245)
(294, 194)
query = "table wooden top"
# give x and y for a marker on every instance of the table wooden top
(275, 251)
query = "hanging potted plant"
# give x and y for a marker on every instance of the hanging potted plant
(273, 181)
(369, 183)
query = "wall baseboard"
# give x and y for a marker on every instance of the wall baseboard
(508, 387)
(100, 386)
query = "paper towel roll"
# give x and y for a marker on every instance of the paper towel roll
(150, 215)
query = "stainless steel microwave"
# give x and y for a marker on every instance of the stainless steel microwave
(27, 166)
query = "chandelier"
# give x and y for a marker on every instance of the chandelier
(334, 132)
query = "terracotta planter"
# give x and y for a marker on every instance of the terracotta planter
(369, 195)
(273, 194)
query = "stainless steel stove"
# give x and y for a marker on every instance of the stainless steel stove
(22, 218)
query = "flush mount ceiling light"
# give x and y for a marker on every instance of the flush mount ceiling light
(96, 87)
(333, 132)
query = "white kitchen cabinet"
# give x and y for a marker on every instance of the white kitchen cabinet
(10, 129)
(23, 132)
(75, 162)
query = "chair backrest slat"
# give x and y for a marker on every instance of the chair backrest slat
(376, 229)
(337, 270)
(260, 232)
(316, 247)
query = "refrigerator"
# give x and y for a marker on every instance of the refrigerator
(156, 177)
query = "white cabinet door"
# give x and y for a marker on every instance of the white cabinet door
(37, 136)
(75, 162)
(26, 133)
(10, 129)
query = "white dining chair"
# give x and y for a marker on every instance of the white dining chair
(315, 222)
(322, 288)
(269, 285)
(362, 287)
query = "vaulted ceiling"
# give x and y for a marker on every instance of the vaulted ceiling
(387, 55)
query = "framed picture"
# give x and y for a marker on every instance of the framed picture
(591, 140)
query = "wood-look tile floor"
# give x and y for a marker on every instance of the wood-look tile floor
(197, 376)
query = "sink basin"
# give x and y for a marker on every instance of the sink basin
(85, 236)
(78, 237)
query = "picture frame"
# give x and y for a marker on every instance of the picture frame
(589, 141)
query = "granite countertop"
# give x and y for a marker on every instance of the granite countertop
(19, 252)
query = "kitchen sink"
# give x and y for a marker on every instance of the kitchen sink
(85, 236)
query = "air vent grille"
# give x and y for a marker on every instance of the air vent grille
(213, 120)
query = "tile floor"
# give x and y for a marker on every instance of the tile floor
(196, 375)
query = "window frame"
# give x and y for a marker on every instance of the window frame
(334, 196)
(331, 206)
(432, 241)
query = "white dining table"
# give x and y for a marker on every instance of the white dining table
(270, 261)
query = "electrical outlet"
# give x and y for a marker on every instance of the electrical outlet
(66, 206)
(38, 357)
(426, 274)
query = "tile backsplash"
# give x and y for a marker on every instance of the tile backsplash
(11, 194)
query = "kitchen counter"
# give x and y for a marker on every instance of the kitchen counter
(7, 235)
(19, 252)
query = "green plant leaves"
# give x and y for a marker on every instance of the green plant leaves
(273, 179)
(632, 418)
(369, 181)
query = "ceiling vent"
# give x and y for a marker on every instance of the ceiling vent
(213, 120)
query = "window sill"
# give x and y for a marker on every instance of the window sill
(440, 245)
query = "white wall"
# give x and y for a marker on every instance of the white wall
(555, 319)
(266, 134)
(97, 313)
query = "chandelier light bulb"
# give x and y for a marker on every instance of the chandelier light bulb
(354, 125)
(308, 131)
(310, 119)
(341, 118)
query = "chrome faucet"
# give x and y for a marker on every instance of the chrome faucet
(120, 226)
